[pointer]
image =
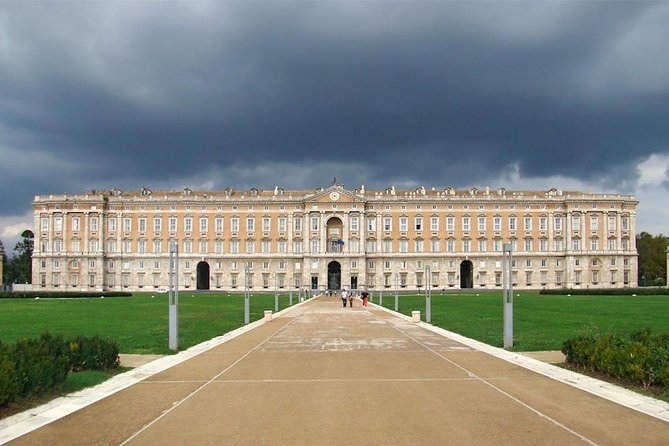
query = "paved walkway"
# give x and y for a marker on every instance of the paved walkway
(322, 374)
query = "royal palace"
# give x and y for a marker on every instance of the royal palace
(333, 238)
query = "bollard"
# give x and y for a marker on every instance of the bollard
(415, 316)
(268, 315)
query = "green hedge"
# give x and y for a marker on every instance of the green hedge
(60, 294)
(650, 291)
(92, 353)
(639, 357)
(37, 366)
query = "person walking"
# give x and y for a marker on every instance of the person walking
(350, 299)
(365, 296)
(344, 296)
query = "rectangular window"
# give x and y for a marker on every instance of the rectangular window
(497, 245)
(404, 223)
(250, 246)
(558, 245)
(481, 223)
(558, 223)
(543, 245)
(282, 224)
(576, 244)
(281, 246)
(450, 223)
(172, 224)
(314, 246)
(594, 244)
(387, 246)
(219, 224)
(466, 245)
(419, 223)
(528, 223)
(612, 223)
(404, 246)
(94, 223)
(611, 244)
(58, 224)
(141, 246)
(371, 224)
(297, 246)
(450, 245)
(204, 224)
(76, 226)
(188, 246)
(354, 223)
(482, 245)
(387, 223)
(265, 246)
(45, 224)
(127, 224)
(434, 223)
(265, 224)
(576, 222)
(142, 224)
(156, 247)
(188, 224)
(434, 245)
(528, 245)
(419, 245)
(234, 224)
(203, 247)
(234, 246)
(497, 223)
(250, 224)
(465, 223)
(512, 223)
(157, 224)
(297, 224)
(371, 246)
(314, 223)
(218, 246)
(594, 222)
(625, 224)
(542, 223)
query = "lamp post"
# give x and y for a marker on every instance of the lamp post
(396, 293)
(246, 294)
(507, 292)
(173, 298)
(428, 292)
(276, 294)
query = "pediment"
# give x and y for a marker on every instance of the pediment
(333, 194)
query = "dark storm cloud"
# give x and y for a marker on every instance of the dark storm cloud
(99, 95)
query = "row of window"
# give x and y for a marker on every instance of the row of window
(280, 246)
(401, 280)
(266, 223)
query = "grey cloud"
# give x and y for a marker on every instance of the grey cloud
(427, 93)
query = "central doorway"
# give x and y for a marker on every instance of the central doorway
(467, 274)
(334, 276)
(203, 276)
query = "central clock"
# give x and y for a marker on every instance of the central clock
(334, 196)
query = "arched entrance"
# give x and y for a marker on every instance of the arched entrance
(203, 276)
(467, 274)
(334, 276)
(335, 232)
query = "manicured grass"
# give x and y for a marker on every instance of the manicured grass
(541, 322)
(139, 324)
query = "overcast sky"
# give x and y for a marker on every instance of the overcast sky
(207, 95)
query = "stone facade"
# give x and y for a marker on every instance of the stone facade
(332, 238)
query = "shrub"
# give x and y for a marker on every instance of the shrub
(639, 357)
(8, 387)
(92, 353)
(41, 364)
(61, 294)
(648, 291)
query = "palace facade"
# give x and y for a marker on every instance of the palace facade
(332, 238)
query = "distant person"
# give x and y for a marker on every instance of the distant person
(365, 297)
(344, 297)
(350, 299)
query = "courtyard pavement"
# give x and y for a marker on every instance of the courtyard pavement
(322, 374)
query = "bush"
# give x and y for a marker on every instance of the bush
(647, 291)
(41, 364)
(60, 294)
(639, 357)
(8, 387)
(92, 353)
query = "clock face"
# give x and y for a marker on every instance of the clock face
(334, 196)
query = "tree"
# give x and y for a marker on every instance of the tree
(19, 269)
(652, 258)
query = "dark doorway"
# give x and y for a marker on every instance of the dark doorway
(466, 274)
(203, 276)
(354, 282)
(314, 282)
(334, 276)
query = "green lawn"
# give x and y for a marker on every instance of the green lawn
(540, 322)
(139, 323)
